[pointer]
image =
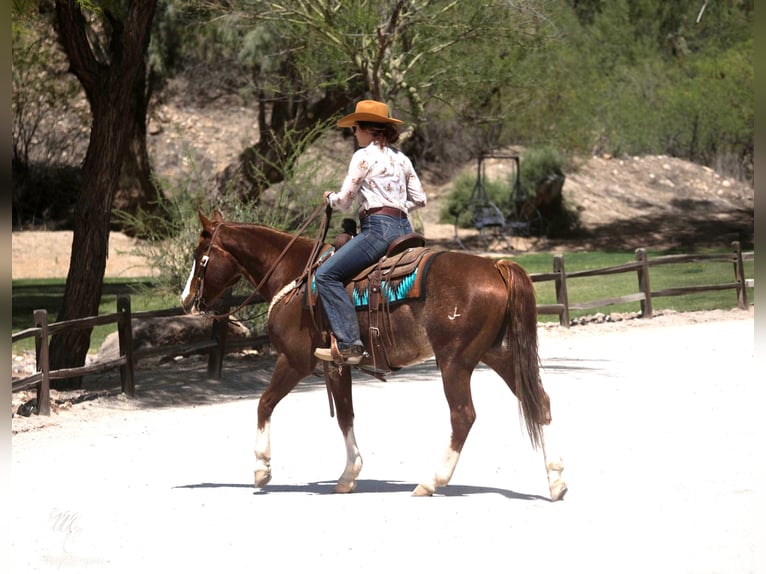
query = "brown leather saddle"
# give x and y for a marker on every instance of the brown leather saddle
(397, 276)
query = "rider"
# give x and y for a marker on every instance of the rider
(388, 188)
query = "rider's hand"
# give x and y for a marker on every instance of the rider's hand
(325, 195)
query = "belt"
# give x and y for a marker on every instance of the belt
(392, 211)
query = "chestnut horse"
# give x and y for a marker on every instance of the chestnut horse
(475, 310)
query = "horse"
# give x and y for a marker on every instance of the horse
(474, 310)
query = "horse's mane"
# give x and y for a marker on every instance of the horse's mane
(286, 235)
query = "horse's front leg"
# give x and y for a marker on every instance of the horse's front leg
(339, 382)
(263, 454)
(283, 380)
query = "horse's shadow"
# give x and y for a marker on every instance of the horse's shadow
(370, 486)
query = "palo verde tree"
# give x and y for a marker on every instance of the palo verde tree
(106, 45)
(309, 60)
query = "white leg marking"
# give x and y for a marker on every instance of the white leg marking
(263, 455)
(347, 481)
(554, 467)
(442, 476)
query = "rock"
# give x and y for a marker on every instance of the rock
(166, 331)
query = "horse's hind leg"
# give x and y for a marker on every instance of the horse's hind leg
(339, 381)
(457, 389)
(554, 466)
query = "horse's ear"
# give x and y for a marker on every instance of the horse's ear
(206, 223)
(218, 216)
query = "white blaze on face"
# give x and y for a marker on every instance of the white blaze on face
(187, 290)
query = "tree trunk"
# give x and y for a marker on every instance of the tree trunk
(290, 124)
(111, 91)
(137, 192)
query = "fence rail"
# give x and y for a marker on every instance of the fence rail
(218, 345)
(645, 295)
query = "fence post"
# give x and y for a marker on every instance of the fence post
(739, 275)
(215, 357)
(644, 284)
(562, 298)
(43, 363)
(125, 335)
(220, 330)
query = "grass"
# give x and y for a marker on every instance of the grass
(32, 294)
(29, 295)
(583, 289)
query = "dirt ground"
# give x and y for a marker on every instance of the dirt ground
(657, 422)
(184, 381)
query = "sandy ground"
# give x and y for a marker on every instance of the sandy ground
(45, 254)
(657, 421)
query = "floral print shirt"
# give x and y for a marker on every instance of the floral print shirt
(380, 177)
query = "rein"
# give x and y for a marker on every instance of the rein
(321, 235)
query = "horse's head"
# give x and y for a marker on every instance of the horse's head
(213, 270)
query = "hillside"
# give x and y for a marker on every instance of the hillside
(623, 203)
(655, 202)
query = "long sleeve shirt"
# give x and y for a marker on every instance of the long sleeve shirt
(380, 177)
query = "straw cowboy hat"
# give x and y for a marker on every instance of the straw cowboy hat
(368, 111)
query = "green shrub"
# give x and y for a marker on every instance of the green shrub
(539, 164)
(172, 237)
(459, 199)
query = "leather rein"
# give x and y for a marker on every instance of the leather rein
(321, 235)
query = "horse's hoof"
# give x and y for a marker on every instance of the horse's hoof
(421, 490)
(346, 488)
(558, 490)
(262, 478)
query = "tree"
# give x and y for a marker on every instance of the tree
(308, 60)
(111, 68)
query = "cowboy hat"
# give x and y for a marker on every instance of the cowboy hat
(368, 111)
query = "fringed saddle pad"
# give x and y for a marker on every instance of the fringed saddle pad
(400, 277)
(394, 279)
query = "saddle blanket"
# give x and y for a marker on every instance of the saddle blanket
(404, 279)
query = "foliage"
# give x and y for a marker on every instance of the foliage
(463, 196)
(49, 124)
(538, 164)
(580, 76)
(171, 239)
(670, 78)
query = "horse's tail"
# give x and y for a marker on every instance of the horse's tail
(521, 338)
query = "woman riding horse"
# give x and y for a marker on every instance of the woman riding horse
(388, 188)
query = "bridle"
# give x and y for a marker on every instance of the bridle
(322, 233)
(205, 259)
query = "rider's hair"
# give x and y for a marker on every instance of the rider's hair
(383, 134)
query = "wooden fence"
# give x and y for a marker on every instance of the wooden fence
(217, 346)
(645, 294)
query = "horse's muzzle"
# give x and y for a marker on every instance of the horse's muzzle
(190, 305)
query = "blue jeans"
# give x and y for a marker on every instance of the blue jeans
(377, 233)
